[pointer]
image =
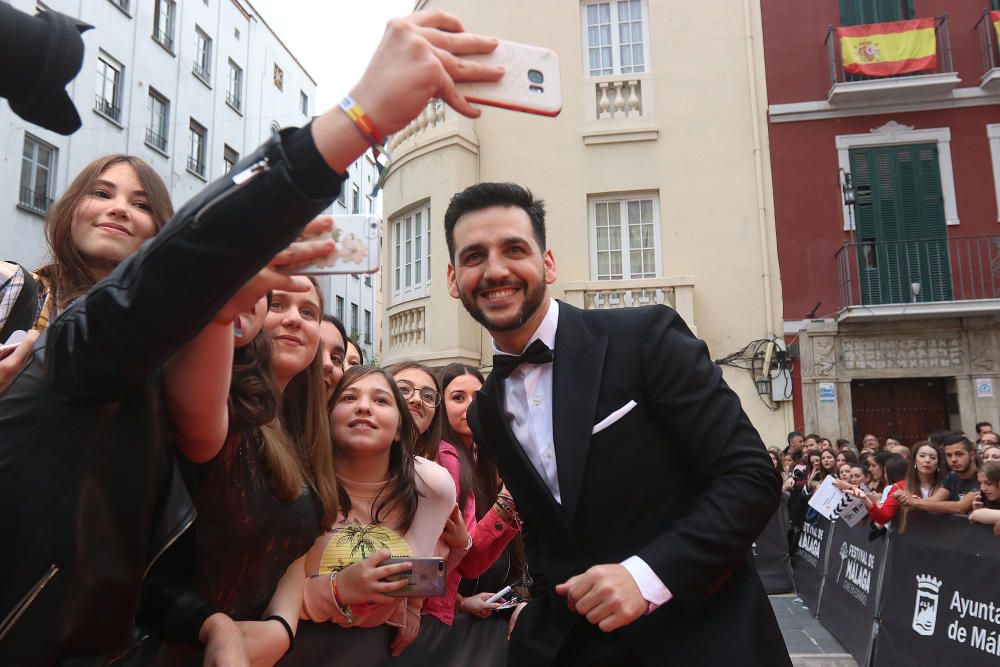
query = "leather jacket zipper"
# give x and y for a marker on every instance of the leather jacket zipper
(262, 166)
(15, 614)
(169, 543)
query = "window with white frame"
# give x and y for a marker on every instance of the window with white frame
(355, 200)
(625, 237)
(159, 114)
(38, 168)
(109, 88)
(196, 148)
(164, 14)
(304, 102)
(615, 37)
(202, 55)
(368, 327)
(234, 91)
(340, 309)
(353, 331)
(411, 254)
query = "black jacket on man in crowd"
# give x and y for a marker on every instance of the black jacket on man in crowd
(681, 479)
(89, 497)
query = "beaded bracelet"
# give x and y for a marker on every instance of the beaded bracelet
(367, 128)
(345, 609)
(288, 629)
(508, 510)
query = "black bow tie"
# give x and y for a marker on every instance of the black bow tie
(537, 353)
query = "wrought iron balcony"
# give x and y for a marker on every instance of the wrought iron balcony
(36, 202)
(156, 140)
(106, 107)
(165, 39)
(851, 90)
(920, 271)
(200, 71)
(196, 165)
(990, 55)
(233, 100)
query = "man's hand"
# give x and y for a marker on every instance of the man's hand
(606, 594)
(223, 642)
(13, 358)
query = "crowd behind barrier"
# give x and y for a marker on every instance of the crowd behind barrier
(927, 595)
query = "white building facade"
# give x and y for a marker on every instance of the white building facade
(190, 86)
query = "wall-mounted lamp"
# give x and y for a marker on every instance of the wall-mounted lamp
(848, 188)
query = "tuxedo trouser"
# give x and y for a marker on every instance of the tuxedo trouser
(589, 646)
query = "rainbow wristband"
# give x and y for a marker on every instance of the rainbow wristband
(364, 125)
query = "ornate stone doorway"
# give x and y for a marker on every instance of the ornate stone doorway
(910, 408)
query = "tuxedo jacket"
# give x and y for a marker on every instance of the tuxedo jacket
(655, 458)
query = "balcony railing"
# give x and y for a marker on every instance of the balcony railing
(121, 4)
(674, 291)
(233, 100)
(165, 39)
(850, 88)
(106, 107)
(200, 71)
(156, 140)
(37, 202)
(196, 165)
(919, 271)
(989, 52)
(407, 327)
(432, 116)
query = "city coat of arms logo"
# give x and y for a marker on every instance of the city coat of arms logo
(926, 606)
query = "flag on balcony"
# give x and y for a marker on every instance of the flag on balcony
(995, 20)
(889, 49)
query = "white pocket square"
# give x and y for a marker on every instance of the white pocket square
(613, 417)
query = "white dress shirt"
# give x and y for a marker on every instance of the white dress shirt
(528, 410)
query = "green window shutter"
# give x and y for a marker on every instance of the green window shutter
(860, 12)
(900, 224)
(996, 4)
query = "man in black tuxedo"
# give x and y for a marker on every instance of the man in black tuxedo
(640, 480)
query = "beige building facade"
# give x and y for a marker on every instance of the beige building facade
(655, 175)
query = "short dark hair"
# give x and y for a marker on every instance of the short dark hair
(957, 439)
(792, 436)
(980, 425)
(485, 195)
(937, 437)
(814, 436)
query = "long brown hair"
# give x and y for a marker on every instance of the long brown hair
(399, 494)
(477, 475)
(253, 399)
(913, 476)
(297, 443)
(429, 441)
(67, 274)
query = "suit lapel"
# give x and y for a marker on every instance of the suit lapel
(576, 384)
(488, 416)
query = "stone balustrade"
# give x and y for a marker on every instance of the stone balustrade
(674, 291)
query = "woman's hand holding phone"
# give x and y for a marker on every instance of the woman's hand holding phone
(275, 276)
(362, 582)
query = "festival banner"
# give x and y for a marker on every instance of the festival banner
(809, 561)
(995, 20)
(889, 49)
(940, 602)
(770, 554)
(851, 588)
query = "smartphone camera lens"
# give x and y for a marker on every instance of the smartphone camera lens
(534, 76)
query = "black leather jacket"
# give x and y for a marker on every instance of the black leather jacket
(89, 495)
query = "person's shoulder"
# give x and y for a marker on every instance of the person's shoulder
(446, 449)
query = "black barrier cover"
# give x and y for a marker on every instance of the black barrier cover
(851, 587)
(770, 554)
(940, 602)
(810, 560)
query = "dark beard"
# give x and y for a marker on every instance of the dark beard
(533, 299)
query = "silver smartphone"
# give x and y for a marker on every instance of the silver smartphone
(531, 81)
(426, 578)
(356, 250)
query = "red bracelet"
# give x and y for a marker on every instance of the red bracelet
(364, 124)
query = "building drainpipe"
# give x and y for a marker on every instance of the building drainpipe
(765, 255)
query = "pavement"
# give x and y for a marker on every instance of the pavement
(809, 643)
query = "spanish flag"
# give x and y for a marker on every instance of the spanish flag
(889, 49)
(995, 19)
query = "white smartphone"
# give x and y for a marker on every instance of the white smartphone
(530, 83)
(356, 250)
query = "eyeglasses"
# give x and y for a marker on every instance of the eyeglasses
(428, 397)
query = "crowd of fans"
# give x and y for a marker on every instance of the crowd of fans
(193, 457)
(947, 473)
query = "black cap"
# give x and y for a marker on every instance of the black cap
(39, 55)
